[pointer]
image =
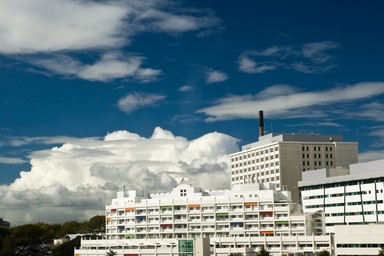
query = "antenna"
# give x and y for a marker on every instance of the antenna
(261, 123)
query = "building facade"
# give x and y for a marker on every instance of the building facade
(240, 220)
(282, 158)
(351, 196)
(189, 212)
(364, 240)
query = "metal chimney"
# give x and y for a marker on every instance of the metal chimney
(261, 123)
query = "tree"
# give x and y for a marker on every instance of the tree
(67, 248)
(95, 224)
(111, 253)
(323, 253)
(381, 252)
(263, 252)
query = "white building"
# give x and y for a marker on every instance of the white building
(359, 239)
(241, 220)
(282, 158)
(353, 196)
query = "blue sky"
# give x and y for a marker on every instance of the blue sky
(72, 72)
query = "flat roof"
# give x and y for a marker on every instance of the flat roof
(359, 171)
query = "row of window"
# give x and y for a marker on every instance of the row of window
(343, 204)
(255, 166)
(317, 163)
(260, 172)
(317, 156)
(256, 161)
(349, 214)
(344, 184)
(316, 148)
(256, 153)
(359, 245)
(260, 180)
(355, 193)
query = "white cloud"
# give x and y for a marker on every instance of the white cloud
(112, 65)
(75, 180)
(308, 58)
(11, 160)
(371, 111)
(368, 156)
(35, 27)
(291, 104)
(215, 76)
(248, 65)
(316, 51)
(56, 25)
(134, 101)
(185, 88)
(41, 26)
(162, 21)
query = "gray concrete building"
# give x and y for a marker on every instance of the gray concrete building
(282, 158)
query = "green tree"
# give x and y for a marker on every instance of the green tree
(111, 253)
(323, 253)
(95, 224)
(4, 232)
(381, 252)
(67, 248)
(263, 252)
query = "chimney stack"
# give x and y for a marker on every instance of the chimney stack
(261, 123)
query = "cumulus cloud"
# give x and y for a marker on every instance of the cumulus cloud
(75, 180)
(134, 101)
(11, 160)
(112, 65)
(215, 76)
(307, 58)
(29, 29)
(185, 88)
(41, 26)
(294, 103)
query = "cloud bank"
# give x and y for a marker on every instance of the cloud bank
(48, 34)
(75, 180)
(134, 101)
(308, 58)
(287, 101)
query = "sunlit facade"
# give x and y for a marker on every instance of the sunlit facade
(282, 158)
(352, 196)
(240, 220)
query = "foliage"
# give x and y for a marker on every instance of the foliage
(33, 235)
(323, 253)
(263, 252)
(66, 248)
(111, 253)
(4, 232)
(381, 252)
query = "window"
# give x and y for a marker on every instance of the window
(183, 192)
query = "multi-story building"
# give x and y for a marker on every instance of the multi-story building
(346, 196)
(186, 211)
(240, 220)
(282, 158)
(358, 239)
